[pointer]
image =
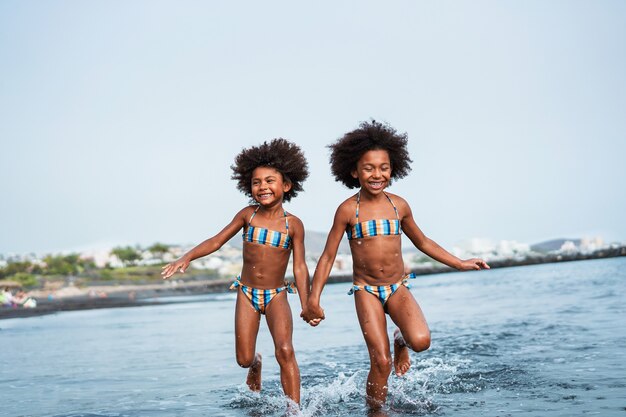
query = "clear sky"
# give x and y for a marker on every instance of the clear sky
(119, 120)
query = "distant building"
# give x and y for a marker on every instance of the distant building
(568, 247)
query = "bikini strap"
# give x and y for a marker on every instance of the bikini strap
(358, 202)
(394, 206)
(253, 214)
(286, 221)
(284, 214)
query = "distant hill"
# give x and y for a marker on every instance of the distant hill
(552, 245)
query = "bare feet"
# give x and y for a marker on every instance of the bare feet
(254, 374)
(401, 359)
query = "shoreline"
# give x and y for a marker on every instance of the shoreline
(139, 295)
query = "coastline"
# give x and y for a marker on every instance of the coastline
(138, 295)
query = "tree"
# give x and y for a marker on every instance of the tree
(61, 265)
(15, 267)
(127, 255)
(159, 248)
(26, 280)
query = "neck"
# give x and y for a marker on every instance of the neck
(366, 195)
(275, 210)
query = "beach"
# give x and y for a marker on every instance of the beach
(540, 340)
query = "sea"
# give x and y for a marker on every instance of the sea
(543, 340)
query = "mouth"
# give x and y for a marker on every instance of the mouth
(264, 196)
(377, 185)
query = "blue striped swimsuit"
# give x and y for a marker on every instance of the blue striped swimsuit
(380, 227)
(267, 237)
(260, 298)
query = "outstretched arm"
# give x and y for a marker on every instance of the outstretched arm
(205, 248)
(300, 270)
(313, 310)
(432, 249)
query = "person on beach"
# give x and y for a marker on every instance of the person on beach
(369, 158)
(269, 174)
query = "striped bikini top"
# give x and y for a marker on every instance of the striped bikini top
(267, 237)
(380, 227)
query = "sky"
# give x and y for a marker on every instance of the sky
(119, 120)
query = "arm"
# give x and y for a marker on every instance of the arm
(324, 265)
(300, 270)
(207, 247)
(432, 249)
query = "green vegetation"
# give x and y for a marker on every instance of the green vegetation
(80, 271)
(25, 279)
(128, 255)
(159, 249)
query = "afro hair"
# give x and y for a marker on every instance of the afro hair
(347, 150)
(280, 154)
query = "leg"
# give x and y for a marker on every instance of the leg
(412, 329)
(247, 321)
(374, 327)
(280, 323)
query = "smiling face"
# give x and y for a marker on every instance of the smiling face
(373, 170)
(268, 186)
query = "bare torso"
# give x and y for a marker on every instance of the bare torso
(377, 260)
(264, 267)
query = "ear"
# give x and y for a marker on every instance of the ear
(354, 174)
(286, 186)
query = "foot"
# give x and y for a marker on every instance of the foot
(401, 359)
(254, 374)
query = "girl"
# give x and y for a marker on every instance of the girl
(269, 174)
(369, 158)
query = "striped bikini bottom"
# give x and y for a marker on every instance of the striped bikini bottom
(383, 292)
(260, 298)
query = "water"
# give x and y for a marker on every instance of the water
(546, 340)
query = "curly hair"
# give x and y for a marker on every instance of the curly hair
(280, 154)
(347, 150)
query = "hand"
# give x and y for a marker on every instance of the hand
(313, 314)
(180, 265)
(473, 264)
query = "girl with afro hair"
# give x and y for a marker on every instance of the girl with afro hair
(269, 174)
(370, 158)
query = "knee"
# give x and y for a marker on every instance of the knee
(245, 360)
(285, 354)
(419, 342)
(381, 363)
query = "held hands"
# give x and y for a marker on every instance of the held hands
(473, 264)
(179, 265)
(312, 314)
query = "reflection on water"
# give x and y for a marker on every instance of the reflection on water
(536, 341)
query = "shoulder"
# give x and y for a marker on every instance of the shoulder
(246, 212)
(401, 204)
(348, 204)
(346, 210)
(294, 221)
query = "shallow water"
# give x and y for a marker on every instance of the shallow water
(546, 340)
